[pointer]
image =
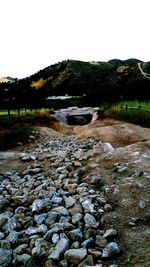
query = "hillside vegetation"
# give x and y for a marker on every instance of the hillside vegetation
(110, 81)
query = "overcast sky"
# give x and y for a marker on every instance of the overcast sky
(38, 33)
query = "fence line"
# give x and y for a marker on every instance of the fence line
(134, 108)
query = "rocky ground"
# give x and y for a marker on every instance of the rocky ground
(70, 198)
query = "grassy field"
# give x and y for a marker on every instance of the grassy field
(140, 116)
(135, 103)
(28, 112)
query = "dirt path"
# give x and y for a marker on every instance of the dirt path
(146, 75)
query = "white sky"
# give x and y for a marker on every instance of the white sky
(37, 33)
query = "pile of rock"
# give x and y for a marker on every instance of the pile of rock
(53, 218)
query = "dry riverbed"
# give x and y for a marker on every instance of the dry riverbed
(68, 198)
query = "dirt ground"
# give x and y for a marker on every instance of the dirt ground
(126, 189)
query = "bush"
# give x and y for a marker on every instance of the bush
(140, 117)
(14, 136)
(39, 112)
(6, 122)
(103, 107)
(21, 134)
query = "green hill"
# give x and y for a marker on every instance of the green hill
(97, 81)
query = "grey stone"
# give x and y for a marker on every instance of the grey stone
(49, 263)
(36, 170)
(101, 200)
(77, 164)
(3, 220)
(2, 177)
(69, 202)
(88, 206)
(90, 220)
(3, 203)
(75, 235)
(88, 242)
(62, 170)
(64, 226)
(64, 219)
(5, 244)
(123, 169)
(21, 249)
(59, 249)
(61, 210)
(21, 210)
(142, 204)
(89, 232)
(71, 187)
(42, 247)
(82, 190)
(13, 236)
(52, 218)
(39, 219)
(92, 180)
(32, 231)
(76, 209)
(56, 200)
(108, 207)
(23, 259)
(88, 261)
(41, 205)
(63, 263)
(55, 238)
(95, 253)
(50, 233)
(109, 233)
(106, 147)
(75, 244)
(112, 249)
(101, 241)
(36, 251)
(1, 235)
(42, 229)
(75, 255)
(26, 158)
(12, 224)
(101, 211)
(5, 257)
(77, 218)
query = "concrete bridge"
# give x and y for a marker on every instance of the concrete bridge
(75, 115)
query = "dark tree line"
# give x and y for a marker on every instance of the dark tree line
(20, 95)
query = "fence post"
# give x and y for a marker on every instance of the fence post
(8, 112)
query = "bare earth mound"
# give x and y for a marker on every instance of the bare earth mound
(114, 132)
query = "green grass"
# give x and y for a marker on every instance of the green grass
(28, 112)
(140, 117)
(135, 103)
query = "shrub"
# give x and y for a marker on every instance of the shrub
(43, 112)
(16, 135)
(140, 117)
(6, 122)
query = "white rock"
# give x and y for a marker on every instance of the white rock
(106, 147)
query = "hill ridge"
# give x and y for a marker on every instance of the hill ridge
(99, 81)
